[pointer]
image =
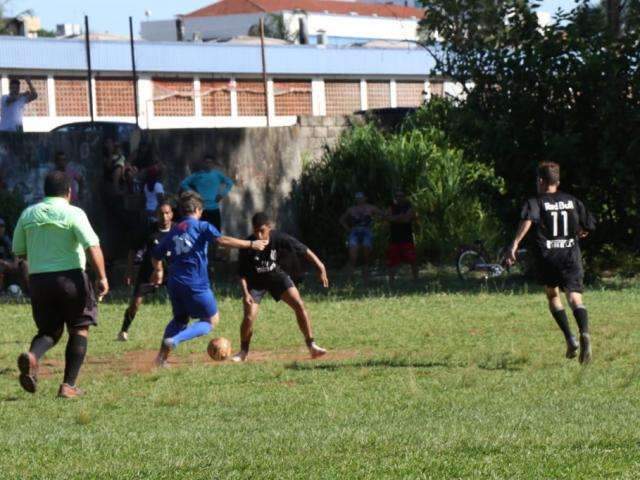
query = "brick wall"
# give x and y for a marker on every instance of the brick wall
(173, 97)
(115, 97)
(72, 97)
(409, 94)
(250, 98)
(378, 94)
(437, 89)
(216, 98)
(342, 96)
(292, 97)
(40, 106)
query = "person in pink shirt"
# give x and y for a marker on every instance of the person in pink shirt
(77, 180)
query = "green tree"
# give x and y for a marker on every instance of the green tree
(567, 92)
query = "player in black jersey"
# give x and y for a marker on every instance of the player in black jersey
(153, 235)
(266, 271)
(559, 220)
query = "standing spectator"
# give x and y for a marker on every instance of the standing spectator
(402, 248)
(358, 221)
(77, 180)
(153, 191)
(212, 186)
(56, 239)
(12, 105)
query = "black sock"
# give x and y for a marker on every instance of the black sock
(74, 356)
(561, 319)
(309, 341)
(244, 345)
(128, 318)
(582, 319)
(41, 343)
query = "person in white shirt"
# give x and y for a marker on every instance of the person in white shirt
(12, 105)
(153, 192)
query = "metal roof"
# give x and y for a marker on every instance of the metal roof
(202, 58)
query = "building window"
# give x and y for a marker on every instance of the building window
(409, 94)
(342, 97)
(115, 97)
(216, 98)
(250, 98)
(173, 97)
(378, 94)
(293, 97)
(40, 106)
(72, 97)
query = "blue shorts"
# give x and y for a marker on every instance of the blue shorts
(361, 237)
(191, 303)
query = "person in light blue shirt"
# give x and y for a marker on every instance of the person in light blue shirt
(212, 185)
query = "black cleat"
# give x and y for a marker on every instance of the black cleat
(28, 366)
(572, 348)
(585, 348)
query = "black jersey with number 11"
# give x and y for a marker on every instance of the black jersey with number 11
(559, 219)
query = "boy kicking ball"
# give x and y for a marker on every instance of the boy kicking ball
(559, 221)
(262, 272)
(188, 283)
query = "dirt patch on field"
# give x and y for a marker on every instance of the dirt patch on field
(141, 361)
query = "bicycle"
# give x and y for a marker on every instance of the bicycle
(473, 263)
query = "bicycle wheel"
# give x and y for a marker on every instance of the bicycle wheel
(469, 265)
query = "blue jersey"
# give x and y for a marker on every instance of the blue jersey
(209, 184)
(186, 246)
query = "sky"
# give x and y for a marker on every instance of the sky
(113, 15)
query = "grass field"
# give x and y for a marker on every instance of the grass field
(417, 385)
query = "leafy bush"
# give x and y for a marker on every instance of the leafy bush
(450, 194)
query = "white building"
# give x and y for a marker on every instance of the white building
(339, 21)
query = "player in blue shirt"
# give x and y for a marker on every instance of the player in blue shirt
(188, 283)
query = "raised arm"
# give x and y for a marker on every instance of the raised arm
(232, 242)
(32, 94)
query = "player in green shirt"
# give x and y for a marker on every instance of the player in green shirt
(56, 238)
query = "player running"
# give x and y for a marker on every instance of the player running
(188, 282)
(262, 272)
(152, 237)
(559, 221)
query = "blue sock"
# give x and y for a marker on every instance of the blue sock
(197, 329)
(173, 328)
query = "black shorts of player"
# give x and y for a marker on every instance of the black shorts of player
(567, 274)
(276, 283)
(142, 286)
(62, 298)
(213, 217)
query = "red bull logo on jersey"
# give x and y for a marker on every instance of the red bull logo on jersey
(554, 207)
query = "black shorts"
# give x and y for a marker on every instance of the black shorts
(142, 286)
(62, 298)
(567, 274)
(276, 283)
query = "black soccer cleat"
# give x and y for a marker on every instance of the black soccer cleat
(572, 348)
(585, 348)
(28, 366)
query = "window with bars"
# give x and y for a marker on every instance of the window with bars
(293, 97)
(72, 97)
(409, 94)
(40, 106)
(115, 97)
(173, 97)
(250, 98)
(216, 98)
(342, 96)
(378, 94)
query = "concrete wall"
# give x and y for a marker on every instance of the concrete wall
(264, 163)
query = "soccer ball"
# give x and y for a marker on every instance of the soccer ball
(14, 291)
(219, 349)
